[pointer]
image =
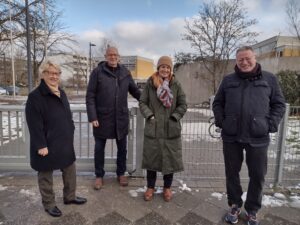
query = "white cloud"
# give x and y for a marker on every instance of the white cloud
(147, 39)
(152, 39)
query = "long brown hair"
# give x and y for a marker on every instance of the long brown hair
(157, 80)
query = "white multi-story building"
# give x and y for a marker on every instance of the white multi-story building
(74, 68)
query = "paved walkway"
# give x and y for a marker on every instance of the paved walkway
(20, 203)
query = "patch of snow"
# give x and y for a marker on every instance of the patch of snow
(2, 188)
(133, 193)
(27, 192)
(273, 202)
(280, 196)
(217, 195)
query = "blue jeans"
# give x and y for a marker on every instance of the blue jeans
(99, 156)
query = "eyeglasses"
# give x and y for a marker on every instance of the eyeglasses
(112, 55)
(57, 74)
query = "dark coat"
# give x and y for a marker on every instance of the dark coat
(162, 150)
(247, 111)
(106, 100)
(50, 124)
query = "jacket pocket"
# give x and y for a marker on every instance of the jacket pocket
(150, 128)
(174, 129)
(259, 126)
(230, 125)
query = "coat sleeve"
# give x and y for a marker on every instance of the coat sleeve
(35, 122)
(181, 105)
(133, 89)
(144, 102)
(218, 105)
(277, 106)
(91, 96)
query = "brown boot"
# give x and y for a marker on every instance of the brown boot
(123, 181)
(98, 183)
(149, 194)
(167, 194)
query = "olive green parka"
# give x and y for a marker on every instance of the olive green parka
(162, 150)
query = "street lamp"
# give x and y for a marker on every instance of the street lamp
(91, 44)
(4, 68)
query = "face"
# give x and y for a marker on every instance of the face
(112, 57)
(52, 76)
(245, 60)
(164, 71)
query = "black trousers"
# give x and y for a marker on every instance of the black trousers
(256, 160)
(99, 156)
(151, 179)
(45, 181)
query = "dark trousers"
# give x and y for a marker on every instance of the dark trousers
(99, 156)
(151, 179)
(45, 182)
(256, 160)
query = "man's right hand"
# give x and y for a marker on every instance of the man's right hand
(43, 151)
(95, 123)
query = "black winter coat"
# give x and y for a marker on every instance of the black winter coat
(247, 111)
(50, 124)
(106, 100)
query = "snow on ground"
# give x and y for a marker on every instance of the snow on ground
(2, 188)
(275, 200)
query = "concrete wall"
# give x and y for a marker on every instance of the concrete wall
(274, 65)
(196, 83)
(193, 77)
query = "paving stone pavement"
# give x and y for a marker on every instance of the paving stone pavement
(20, 203)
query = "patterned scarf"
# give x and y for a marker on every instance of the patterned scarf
(164, 94)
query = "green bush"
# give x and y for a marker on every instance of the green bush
(290, 85)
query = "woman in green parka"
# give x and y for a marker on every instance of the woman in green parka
(163, 104)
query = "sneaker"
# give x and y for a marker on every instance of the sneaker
(233, 215)
(252, 220)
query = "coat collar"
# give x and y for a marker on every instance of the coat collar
(119, 72)
(45, 90)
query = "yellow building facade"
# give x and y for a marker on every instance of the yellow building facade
(140, 67)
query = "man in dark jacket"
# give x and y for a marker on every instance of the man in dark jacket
(51, 128)
(107, 109)
(248, 106)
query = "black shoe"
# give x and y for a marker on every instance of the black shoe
(54, 211)
(76, 201)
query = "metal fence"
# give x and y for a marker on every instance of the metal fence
(202, 154)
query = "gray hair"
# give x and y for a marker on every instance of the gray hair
(45, 66)
(244, 48)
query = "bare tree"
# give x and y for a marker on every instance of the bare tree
(105, 43)
(217, 31)
(293, 15)
(44, 27)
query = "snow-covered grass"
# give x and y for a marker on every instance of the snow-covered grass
(16, 126)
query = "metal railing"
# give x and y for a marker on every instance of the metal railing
(202, 154)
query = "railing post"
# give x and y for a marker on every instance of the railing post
(281, 147)
(139, 143)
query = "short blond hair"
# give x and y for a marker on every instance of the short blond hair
(45, 66)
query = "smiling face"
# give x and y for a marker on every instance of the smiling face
(245, 60)
(51, 76)
(112, 56)
(164, 71)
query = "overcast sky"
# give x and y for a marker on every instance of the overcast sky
(151, 28)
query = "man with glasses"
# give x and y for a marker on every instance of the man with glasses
(107, 109)
(248, 106)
